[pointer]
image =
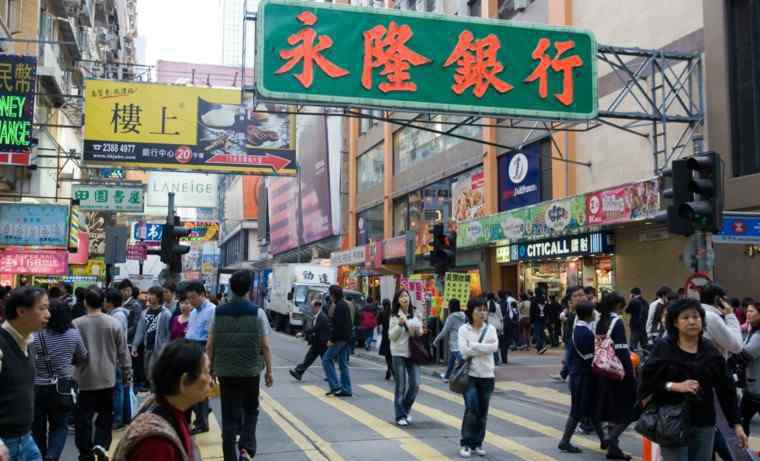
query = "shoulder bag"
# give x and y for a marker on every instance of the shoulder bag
(418, 353)
(606, 363)
(666, 425)
(67, 388)
(460, 376)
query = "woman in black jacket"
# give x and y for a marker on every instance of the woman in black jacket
(685, 365)
(615, 399)
(385, 343)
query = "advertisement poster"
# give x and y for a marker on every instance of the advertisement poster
(468, 195)
(456, 286)
(157, 126)
(251, 190)
(37, 262)
(436, 209)
(315, 178)
(26, 224)
(18, 76)
(191, 190)
(95, 267)
(283, 225)
(93, 197)
(416, 289)
(96, 223)
(739, 228)
(544, 220)
(520, 178)
(631, 202)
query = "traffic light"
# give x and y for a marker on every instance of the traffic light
(704, 209)
(678, 193)
(171, 248)
(443, 254)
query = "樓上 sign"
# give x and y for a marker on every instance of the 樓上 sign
(93, 197)
(328, 53)
(17, 87)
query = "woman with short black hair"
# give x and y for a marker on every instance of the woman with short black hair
(55, 348)
(181, 378)
(682, 365)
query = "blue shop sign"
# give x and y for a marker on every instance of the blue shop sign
(739, 228)
(520, 178)
(149, 232)
(572, 245)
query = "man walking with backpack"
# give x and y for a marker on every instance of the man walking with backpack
(238, 349)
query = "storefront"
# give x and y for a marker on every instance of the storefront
(553, 265)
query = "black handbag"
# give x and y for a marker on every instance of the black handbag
(418, 353)
(460, 375)
(66, 388)
(666, 425)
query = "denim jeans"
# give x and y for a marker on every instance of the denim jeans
(407, 375)
(23, 448)
(339, 350)
(122, 406)
(477, 396)
(240, 412)
(51, 414)
(454, 357)
(700, 447)
(539, 334)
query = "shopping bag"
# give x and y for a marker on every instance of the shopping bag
(134, 404)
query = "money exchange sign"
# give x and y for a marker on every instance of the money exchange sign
(109, 197)
(328, 53)
(17, 86)
(175, 127)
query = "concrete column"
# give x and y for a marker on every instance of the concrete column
(388, 169)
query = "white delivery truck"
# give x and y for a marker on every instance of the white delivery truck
(290, 290)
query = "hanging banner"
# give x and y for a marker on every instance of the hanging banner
(520, 178)
(456, 286)
(174, 127)
(27, 224)
(18, 76)
(631, 202)
(336, 54)
(124, 198)
(33, 262)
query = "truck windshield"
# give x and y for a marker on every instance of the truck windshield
(300, 294)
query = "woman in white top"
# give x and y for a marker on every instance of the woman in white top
(477, 341)
(406, 373)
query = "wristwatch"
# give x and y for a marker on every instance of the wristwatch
(669, 387)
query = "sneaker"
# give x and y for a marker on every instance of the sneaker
(558, 378)
(244, 455)
(409, 419)
(465, 452)
(402, 422)
(480, 451)
(568, 448)
(295, 374)
(100, 453)
(543, 350)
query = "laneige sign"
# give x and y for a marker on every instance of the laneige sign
(190, 189)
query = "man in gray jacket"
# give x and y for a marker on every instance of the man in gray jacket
(153, 329)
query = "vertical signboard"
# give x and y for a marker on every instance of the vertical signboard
(17, 86)
(315, 177)
(283, 226)
(520, 178)
(468, 197)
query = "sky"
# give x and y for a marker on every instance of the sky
(180, 30)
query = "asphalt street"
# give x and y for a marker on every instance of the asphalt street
(298, 422)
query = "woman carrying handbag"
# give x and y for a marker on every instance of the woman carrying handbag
(677, 383)
(55, 349)
(477, 343)
(404, 326)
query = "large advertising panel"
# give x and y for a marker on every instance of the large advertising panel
(191, 190)
(520, 178)
(26, 224)
(17, 89)
(186, 128)
(315, 178)
(283, 208)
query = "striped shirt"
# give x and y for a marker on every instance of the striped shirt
(63, 351)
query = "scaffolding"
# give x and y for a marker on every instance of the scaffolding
(653, 94)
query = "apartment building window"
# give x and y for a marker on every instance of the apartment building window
(10, 15)
(744, 65)
(370, 167)
(412, 146)
(370, 225)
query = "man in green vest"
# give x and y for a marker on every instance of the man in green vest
(238, 348)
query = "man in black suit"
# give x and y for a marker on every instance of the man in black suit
(638, 310)
(317, 337)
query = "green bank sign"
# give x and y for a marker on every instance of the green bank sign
(336, 54)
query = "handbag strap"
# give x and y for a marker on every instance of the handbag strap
(48, 362)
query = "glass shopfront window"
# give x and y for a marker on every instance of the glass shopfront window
(400, 211)
(412, 146)
(370, 168)
(370, 225)
(420, 210)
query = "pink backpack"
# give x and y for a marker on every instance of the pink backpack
(605, 362)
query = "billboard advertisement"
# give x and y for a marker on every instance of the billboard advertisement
(37, 262)
(173, 127)
(26, 224)
(283, 225)
(191, 190)
(631, 202)
(520, 178)
(315, 178)
(468, 195)
(95, 197)
(17, 89)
